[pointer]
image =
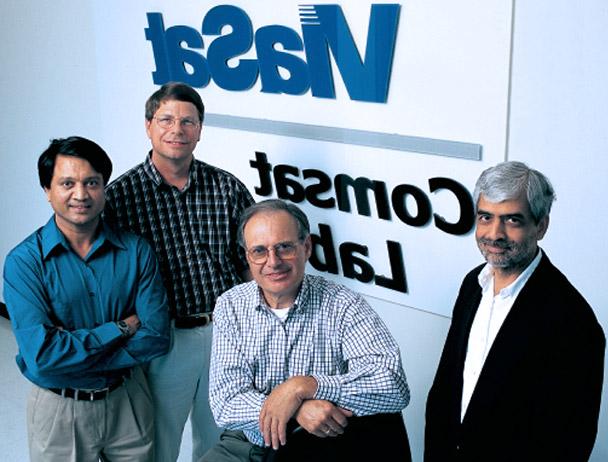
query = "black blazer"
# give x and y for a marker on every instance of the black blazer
(538, 395)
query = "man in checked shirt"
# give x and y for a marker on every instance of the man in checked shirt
(292, 350)
(189, 211)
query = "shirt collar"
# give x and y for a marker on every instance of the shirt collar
(52, 238)
(303, 294)
(107, 234)
(151, 171)
(157, 178)
(486, 277)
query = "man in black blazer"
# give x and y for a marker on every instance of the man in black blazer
(520, 376)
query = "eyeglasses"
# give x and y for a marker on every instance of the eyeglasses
(186, 123)
(283, 250)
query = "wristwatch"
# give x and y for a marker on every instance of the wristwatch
(125, 330)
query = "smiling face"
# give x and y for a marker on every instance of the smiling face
(279, 279)
(76, 194)
(175, 144)
(507, 235)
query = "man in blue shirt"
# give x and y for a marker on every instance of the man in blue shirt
(87, 305)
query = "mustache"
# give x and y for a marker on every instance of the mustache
(279, 266)
(500, 243)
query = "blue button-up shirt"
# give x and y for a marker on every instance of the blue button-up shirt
(63, 308)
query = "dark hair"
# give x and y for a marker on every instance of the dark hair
(74, 146)
(275, 205)
(509, 180)
(174, 91)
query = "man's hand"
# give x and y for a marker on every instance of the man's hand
(133, 322)
(322, 418)
(280, 406)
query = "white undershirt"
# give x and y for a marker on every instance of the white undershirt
(492, 311)
(281, 313)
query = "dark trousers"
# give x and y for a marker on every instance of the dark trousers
(380, 437)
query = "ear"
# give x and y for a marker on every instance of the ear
(147, 124)
(308, 246)
(543, 225)
(47, 191)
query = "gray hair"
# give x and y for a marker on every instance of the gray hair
(274, 205)
(509, 180)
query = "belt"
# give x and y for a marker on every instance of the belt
(86, 395)
(197, 320)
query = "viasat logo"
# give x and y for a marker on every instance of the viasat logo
(325, 35)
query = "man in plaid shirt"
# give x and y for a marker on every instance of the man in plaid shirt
(189, 211)
(295, 350)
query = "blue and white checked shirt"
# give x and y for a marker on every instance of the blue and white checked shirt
(331, 334)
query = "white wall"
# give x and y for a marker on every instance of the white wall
(559, 120)
(76, 67)
(46, 93)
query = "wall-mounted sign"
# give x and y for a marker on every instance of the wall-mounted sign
(324, 36)
(374, 117)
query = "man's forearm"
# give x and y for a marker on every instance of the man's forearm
(281, 405)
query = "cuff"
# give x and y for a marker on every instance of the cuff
(107, 333)
(328, 388)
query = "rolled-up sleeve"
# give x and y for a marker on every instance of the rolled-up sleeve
(375, 381)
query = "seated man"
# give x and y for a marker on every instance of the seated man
(290, 348)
